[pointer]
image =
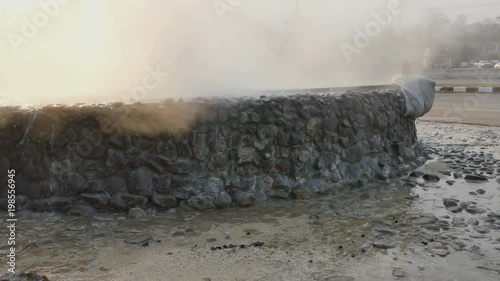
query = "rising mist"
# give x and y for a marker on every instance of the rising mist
(97, 51)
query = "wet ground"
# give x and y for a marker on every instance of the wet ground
(470, 108)
(441, 223)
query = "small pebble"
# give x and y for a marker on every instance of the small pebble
(398, 272)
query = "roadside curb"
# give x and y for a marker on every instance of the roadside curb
(468, 89)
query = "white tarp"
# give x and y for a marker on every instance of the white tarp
(419, 94)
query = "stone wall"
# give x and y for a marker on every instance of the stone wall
(205, 154)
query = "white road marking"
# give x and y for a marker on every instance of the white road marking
(488, 110)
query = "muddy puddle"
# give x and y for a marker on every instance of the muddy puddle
(436, 224)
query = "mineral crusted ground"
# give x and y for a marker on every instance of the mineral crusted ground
(390, 230)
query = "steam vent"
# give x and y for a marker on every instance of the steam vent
(203, 154)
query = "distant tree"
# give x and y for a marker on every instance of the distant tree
(460, 21)
(436, 19)
(462, 52)
(436, 25)
(489, 30)
(488, 22)
(459, 28)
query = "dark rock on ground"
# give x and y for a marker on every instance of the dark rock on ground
(338, 278)
(440, 252)
(61, 204)
(139, 239)
(320, 187)
(459, 208)
(431, 178)
(490, 265)
(480, 191)
(450, 202)
(473, 221)
(23, 277)
(472, 208)
(164, 201)
(399, 272)
(276, 193)
(444, 172)
(78, 225)
(301, 193)
(127, 201)
(214, 186)
(481, 229)
(495, 215)
(48, 241)
(82, 210)
(201, 202)
(283, 183)
(424, 219)
(458, 222)
(137, 213)
(416, 174)
(242, 246)
(432, 227)
(223, 200)
(22, 202)
(96, 199)
(244, 199)
(475, 178)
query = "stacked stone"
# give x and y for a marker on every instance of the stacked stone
(241, 151)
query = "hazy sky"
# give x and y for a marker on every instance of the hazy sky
(326, 12)
(102, 47)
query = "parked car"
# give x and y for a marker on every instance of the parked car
(493, 62)
(483, 64)
(497, 66)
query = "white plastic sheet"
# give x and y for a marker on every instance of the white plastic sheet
(418, 92)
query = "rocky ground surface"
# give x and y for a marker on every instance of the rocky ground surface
(442, 222)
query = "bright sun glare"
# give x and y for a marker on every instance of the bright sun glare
(74, 43)
(16, 8)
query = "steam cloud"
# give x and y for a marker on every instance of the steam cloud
(93, 51)
(98, 51)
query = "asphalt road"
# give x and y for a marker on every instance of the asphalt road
(470, 82)
(467, 108)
